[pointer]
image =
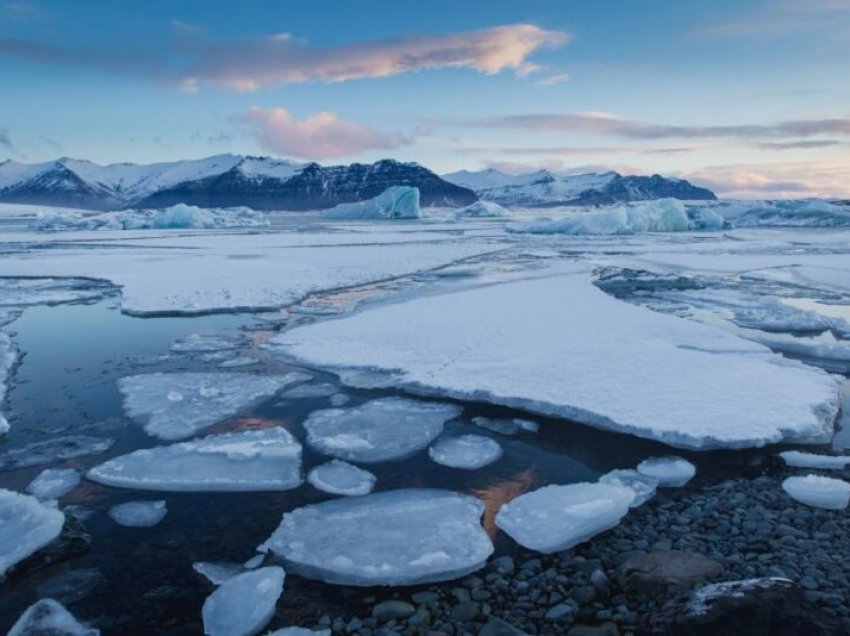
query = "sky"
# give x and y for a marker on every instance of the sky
(751, 99)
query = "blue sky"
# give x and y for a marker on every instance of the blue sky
(751, 98)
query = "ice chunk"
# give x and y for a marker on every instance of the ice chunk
(49, 618)
(799, 459)
(642, 485)
(819, 492)
(661, 215)
(482, 209)
(177, 405)
(54, 483)
(555, 518)
(501, 426)
(52, 450)
(239, 361)
(310, 391)
(669, 472)
(217, 573)
(244, 604)
(378, 430)
(254, 460)
(465, 451)
(26, 525)
(254, 562)
(400, 537)
(341, 478)
(176, 217)
(138, 514)
(339, 399)
(206, 343)
(396, 202)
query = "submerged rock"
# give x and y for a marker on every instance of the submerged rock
(664, 572)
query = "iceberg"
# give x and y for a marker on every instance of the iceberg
(468, 452)
(669, 472)
(138, 514)
(243, 604)
(243, 461)
(794, 213)
(54, 483)
(399, 537)
(53, 450)
(50, 618)
(555, 518)
(818, 492)
(176, 217)
(379, 430)
(396, 202)
(799, 459)
(482, 209)
(642, 485)
(26, 526)
(173, 406)
(341, 478)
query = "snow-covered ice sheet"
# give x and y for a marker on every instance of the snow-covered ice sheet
(555, 518)
(669, 472)
(468, 452)
(50, 618)
(642, 485)
(53, 483)
(576, 352)
(379, 430)
(799, 459)
(396, 202)
(819, 492)
(139, 514)
(174, 406)
(399, 537)
(243, 604)
(254, 460)
(26, 525)
(341, 478)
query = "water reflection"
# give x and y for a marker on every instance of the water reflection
(501, 492)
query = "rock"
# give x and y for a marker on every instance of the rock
(465, 611)
(584, 594)
(606, 629)
(420, 618)
(423, 598)
(392, 610)
(498, 627)
(662, 573)
(560, 612)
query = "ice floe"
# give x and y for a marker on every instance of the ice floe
(239, 361)
(217, 573)
(26, 525)
(254, 460)
(176, 405)
(399, 537)
(243, 604)
(396, 202)
(176, 217)
(642, 485)
(52, 450)
(207, 343)
(341, 478)
(138, 514)
(799, 459)
(669, 472)
(465, 451)
(310, 391)
(569, 343)
(819, 492)
(378, 430)
(555, 518)
(53, 483)
(49, 618)
(21, 292)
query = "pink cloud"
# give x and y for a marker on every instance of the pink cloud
(319, 136)
(776, 181)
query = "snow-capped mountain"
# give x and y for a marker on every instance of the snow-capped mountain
(261, 183)
(544, 188)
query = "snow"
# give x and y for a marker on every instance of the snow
(799, 459)
(569, 343)
(819, 492)
(54, 483)
(49, 618)
(465, 451)
(669, 472)
(399, 537)
(176, 217)
(207, 343)
(138, 514)
(217, 573)
(243, 604)
(341, 478)
(396, 202)
(642, 485)
(254, 460)
(379, 430)
(555, 518)
(26, 526)
(53, 450)
(176, 405)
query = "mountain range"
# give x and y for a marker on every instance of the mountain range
(266, 183)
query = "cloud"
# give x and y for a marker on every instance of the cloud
(554, 79)
(19, 11)
(796, 145)
(783, 18)
(196, 59)
(319, 136)
(784, 180)
(560, 167)
(6, 141)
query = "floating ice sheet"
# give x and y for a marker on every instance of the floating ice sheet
(138, 514)
(50, 618)
(207, 343)
(669, 472)
(819, 492)
(26, 525)
(341, 478)
(54, 483)
(243, 604)
(799, 459)
(465, 451)
(53, 450)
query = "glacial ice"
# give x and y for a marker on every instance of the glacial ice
(819, 492)
(26, 525)
(217, 573)
(378, 430)
(396, 202)
(49, 618)
(243, 604)
(642, 485)
(465, 451)
(176, 217)
(799, 459)
(253, 460)
(52, 450)
(669, 472)
(209, 343)
(555, 518)
(173, 406)
(399, 537)
(482, 209)
(341, 478)
(53, 483)
(138, 514)
(793, 213)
